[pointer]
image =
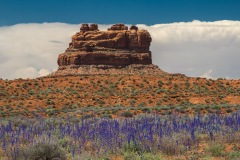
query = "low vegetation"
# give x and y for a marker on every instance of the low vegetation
(48, 96)
(142, 137)
(117, 117)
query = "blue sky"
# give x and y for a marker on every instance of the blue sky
(112, 11)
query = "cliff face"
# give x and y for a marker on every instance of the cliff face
(118, 47)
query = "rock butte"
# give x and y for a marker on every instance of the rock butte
(118, 50)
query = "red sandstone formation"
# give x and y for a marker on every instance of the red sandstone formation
(117, 47)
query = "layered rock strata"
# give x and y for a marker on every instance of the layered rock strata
(114, 49)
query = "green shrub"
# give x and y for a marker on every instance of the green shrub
(170, 147)
(164, 108)
(107, 116)
(165, 99)
(132, 103)
(216, 107)
(197, 109)
(150, 101)
(146, 109)
(178, 109)
(142, 104)
(127, 114)
(216, 150)
(228, 110)
(42, 150)
(158, 91)
(234, 155)
(3, 93)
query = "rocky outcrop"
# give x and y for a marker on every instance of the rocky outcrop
(117, 46)
(107, 69)
(98, 58)
(114, 48)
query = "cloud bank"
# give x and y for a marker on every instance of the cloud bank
(207, 49)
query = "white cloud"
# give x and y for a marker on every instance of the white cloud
(32, 45)
(43, 72)
(198, 45)
(208, 74)
(30, 72)
(26, 72)
(192, 48)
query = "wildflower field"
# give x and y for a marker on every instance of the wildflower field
(143, 137)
